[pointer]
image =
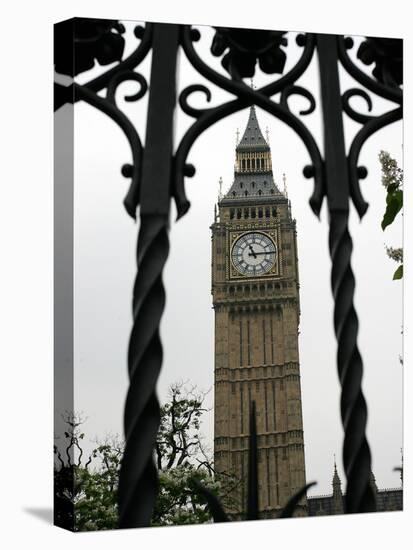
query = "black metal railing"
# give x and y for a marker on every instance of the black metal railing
(157, 175)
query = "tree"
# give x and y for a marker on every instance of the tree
(392, 179)
(183, 460)
(86, 486)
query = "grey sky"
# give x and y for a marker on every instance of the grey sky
(105, 239)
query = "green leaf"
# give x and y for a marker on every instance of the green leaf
(398, 274)
(394, 205)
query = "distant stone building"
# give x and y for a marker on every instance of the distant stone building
(328, 505)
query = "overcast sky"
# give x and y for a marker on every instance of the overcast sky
(105, 239)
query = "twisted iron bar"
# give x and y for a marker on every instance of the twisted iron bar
(356, 453)
(138, 481)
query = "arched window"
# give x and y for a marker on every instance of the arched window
(260, 193)
(253, 184)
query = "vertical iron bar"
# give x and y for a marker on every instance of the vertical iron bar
(356, 451)
(138, 482)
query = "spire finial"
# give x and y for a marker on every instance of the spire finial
(237, 137)
(335, 466)
(286, 194)
(267, 134)
(220, 188)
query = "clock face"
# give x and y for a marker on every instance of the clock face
(253, 254)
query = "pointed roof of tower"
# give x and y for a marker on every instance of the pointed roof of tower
(255, 181)
(253, 138)
(373, 483)
(336, 477)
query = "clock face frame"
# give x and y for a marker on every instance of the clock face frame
(254, 254)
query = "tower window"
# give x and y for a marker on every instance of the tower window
(260, 193)
(241, 185)
(252, 212)
(239, 212)
(259, 209)
(272, 191)
(246, 213)
(253, 184)
(232, 213)
(267, 212)
(274, 212)
(246, 193)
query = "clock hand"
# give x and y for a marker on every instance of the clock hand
(255, 254)
(252, 253)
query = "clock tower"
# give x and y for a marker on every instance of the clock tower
(255, 293)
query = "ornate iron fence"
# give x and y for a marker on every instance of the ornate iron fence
(157, 174)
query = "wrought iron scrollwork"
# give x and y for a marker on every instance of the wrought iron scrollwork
(96, 32)
(245, 47)
(387, 55)
(247, 96)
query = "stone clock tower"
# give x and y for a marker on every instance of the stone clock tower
(255, 293)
